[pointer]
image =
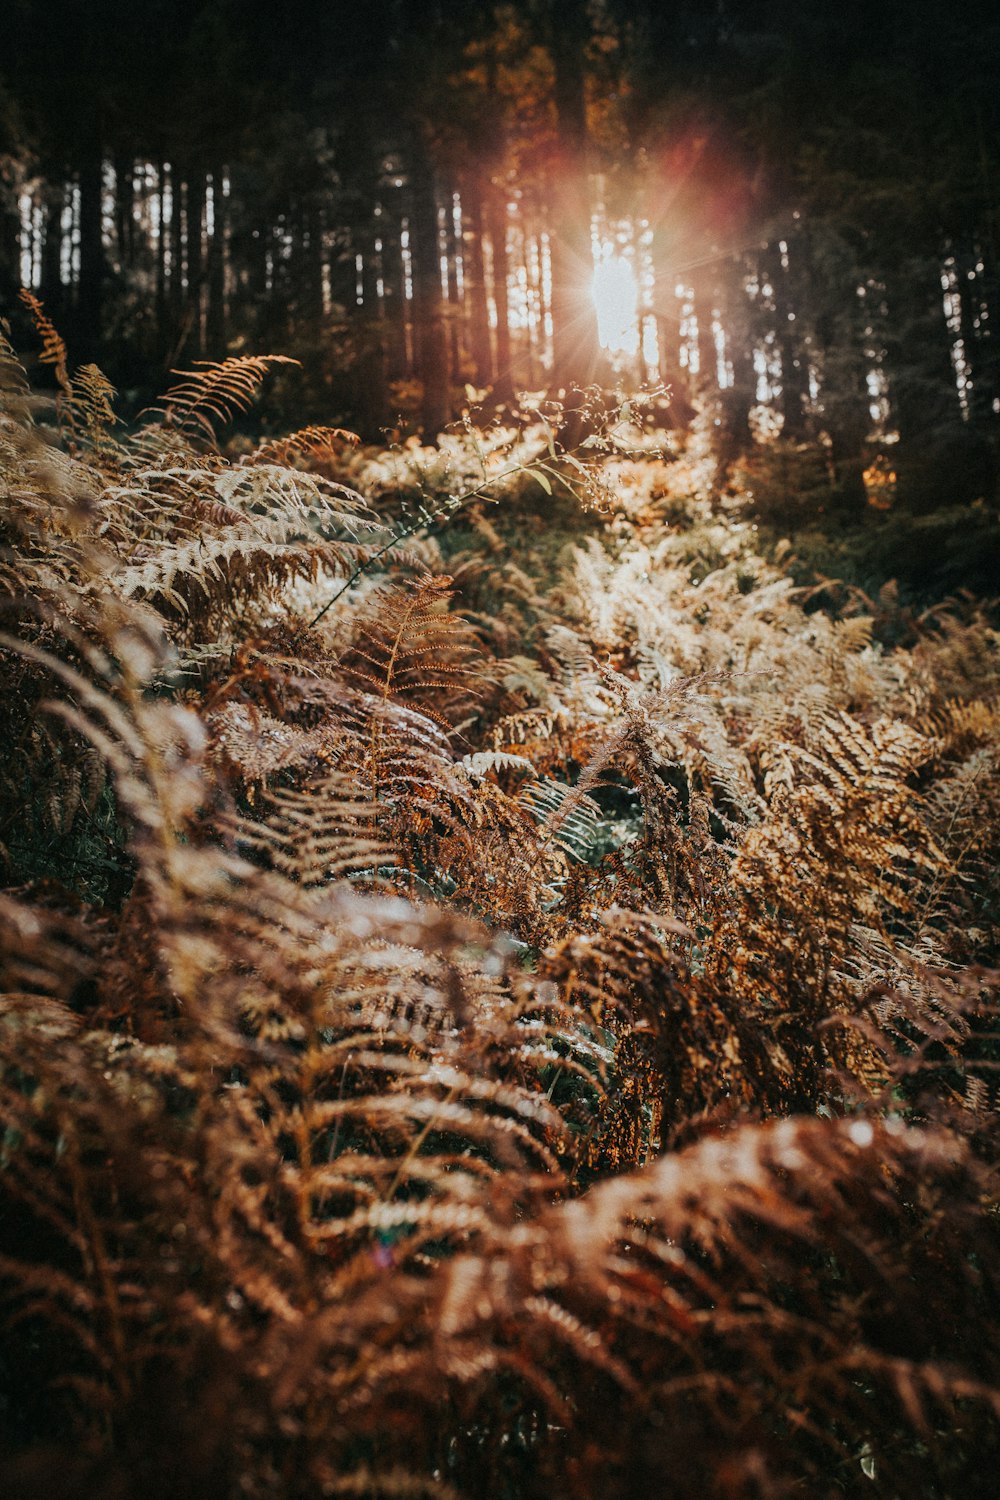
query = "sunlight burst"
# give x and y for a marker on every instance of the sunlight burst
(616, 297)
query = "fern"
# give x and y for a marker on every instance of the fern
(53, 348)
(521, 1052)
(93, 406)
(216, 391)
(309, 444)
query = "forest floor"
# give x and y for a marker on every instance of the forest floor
(499, 963)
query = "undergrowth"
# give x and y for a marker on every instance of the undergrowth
(489, 1008)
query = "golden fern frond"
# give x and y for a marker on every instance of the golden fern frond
(93, 404)
(683, 1048)
(215, 391)
(204, 542)
(317, 832)
(409, 648)
(497, 864)
(15, 392)
(53, 348)
(252, 746)
(313, 444)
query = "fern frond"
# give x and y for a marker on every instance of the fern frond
(216, 391)
(407, 647)
(317, 832)
(93, 405)
(564, 814)
(312, 444)
(53, 348)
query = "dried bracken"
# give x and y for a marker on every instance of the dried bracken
(503, 1035)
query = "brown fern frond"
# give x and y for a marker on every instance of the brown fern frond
(93, 405)
(408, 648)
(312, 444)
(318, 832)
(15, 392)
(53, 348)
(216, 391)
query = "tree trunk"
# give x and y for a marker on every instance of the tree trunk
(215, 318)
(176, 281)
(702, 280)
(10, 243)
(50, 287)
(395, 308)
(503, 385)
(455, 309)
(923, 392)
(92, 267)
(430, 336)
(163, 229)
(574, 317)
(371, 341)
(787, 328)
(196, 260)
(735, 401)
(475, 284)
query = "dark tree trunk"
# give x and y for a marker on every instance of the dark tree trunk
(431, 345)
(395, 308)
(371, 342)
(455, 309)
(475, 285)
(312, 252)
(923, 392)
(574, 317)
(92, 265)
(503, 385)
(787, 328)
(736, 400)
(10, 245)
(125, 211)
(163, 229)
(51, 288)
(194, 227)
(673, 375)
(216, 314)
(702, 279)
(176, 250)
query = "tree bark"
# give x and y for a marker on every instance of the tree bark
(503, 385)
(574, 317)
(10, 241)
(787, 329)
(430, 335)
(475, 284)
(92, 266)
(215, 317)
(196, 260)
(51, 288)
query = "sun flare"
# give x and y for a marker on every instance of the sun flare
(616, 297)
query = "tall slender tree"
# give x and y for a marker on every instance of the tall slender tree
(575, 341)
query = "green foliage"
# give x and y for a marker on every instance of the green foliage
(953, 549)
(787, 483)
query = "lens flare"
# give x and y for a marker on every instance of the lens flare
(616, 297)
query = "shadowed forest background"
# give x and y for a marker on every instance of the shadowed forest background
(500, 787)
(800, 208)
